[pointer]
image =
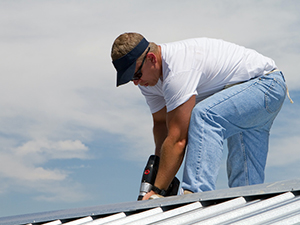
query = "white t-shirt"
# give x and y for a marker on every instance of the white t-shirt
(202, 67)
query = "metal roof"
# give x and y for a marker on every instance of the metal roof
(275, 203)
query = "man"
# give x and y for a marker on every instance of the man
(204, 91)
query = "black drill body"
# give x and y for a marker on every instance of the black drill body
(149, 177)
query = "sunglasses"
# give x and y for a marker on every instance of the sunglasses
(138, 74)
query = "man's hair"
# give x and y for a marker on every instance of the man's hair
(126, 42)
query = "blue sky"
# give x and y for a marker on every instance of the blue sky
(69, 138)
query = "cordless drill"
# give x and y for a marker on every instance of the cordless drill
(149, 176)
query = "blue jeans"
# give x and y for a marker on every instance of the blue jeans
(242, 114)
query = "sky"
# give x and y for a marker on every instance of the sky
(69, 138)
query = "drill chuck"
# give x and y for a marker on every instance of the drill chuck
(145, 188)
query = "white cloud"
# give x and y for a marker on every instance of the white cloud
(52, 150)
(23, 167)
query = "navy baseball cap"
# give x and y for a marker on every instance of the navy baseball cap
(125, 65)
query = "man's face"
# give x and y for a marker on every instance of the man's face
(147, 71)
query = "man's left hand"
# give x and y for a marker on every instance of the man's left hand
(148, 195)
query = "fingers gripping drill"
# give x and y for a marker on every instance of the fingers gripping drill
(149, 176)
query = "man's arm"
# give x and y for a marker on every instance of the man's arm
(160, 130)
(173, 147)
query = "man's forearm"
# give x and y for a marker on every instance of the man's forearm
(171, 157)
(160, 130)
(173, 148)
(173, 145)
(160, 133)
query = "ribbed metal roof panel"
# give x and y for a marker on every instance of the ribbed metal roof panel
(80, 221)
(135, 217)
(201, 213)
(107, 219)
(291, 219)
(277, 203)
(168, 214)
(248, 209)
(272, 213)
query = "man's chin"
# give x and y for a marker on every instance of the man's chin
(148, 84)
(145, 84)
(151, 85)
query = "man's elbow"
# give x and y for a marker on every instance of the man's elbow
(181, 143)
(178, 145)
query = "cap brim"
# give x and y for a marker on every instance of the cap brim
(126, 76)
(125, 65)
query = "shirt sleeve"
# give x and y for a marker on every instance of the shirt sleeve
(154, 97)
(179, 88)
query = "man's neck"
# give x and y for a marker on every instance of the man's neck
(159, 61)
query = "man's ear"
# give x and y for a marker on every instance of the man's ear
(152, 57)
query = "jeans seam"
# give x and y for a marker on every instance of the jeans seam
(266, 96)
(267, 93)
(278, 82)
(198, 169)
(245, 159)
